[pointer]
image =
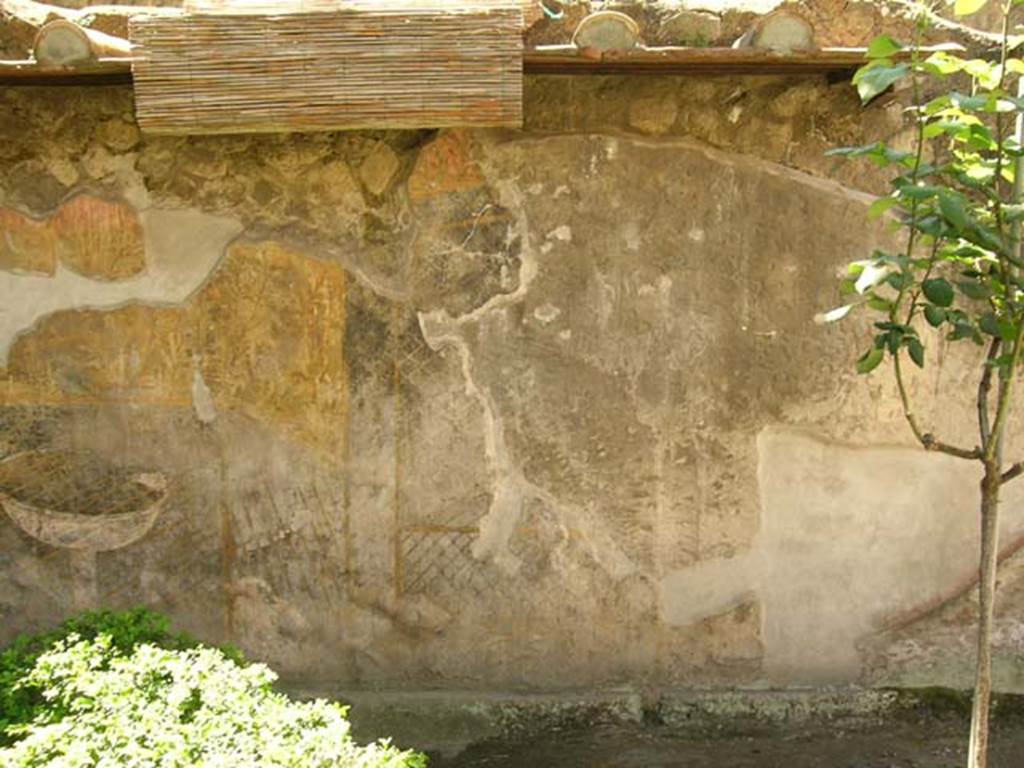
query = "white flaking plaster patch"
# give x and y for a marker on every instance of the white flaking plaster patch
(182, 249)
(202, 398)
(441, 330)
(631, 236)
(546, 313)
(850, 537)
(563, 233)
(611, 149)
(511, 490)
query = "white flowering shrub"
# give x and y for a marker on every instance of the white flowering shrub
(165, 708)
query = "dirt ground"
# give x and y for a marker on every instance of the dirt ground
(898, 744)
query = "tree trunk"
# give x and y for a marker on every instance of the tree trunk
(977, 756)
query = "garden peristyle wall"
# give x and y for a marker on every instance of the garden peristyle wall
(539, 409)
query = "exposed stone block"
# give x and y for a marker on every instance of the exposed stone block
(653, 115)
(443, 166)
(379, 168)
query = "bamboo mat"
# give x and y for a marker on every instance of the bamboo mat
(306, 67)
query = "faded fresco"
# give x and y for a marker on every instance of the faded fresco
(534, 409)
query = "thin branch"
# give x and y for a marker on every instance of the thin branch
(994, 445)
(984, 387)
(916, 293)
(927, 439)
(1005, 397)
(1015, 470)
(1003, 258)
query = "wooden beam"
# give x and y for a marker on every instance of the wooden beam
(101, 72)
(63, 43)
(543, 60)
(569, 60)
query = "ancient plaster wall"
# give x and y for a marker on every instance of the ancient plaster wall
(481, 410)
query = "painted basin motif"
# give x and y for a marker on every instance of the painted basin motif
(76, 501)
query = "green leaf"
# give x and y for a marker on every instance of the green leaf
(953, 209)
(876, 78)
(943, 63)
(880, 206)
(938, 291)
(916, 350)
(964, 330)
(930, 225)
(980, 174)
(995, 326)
(870, 360)
(935, 316)
(967, 7)
(989, 324)
(1016, 66)
(975, 103)
(979, 137)
(899, 280)
(917, 191)
(1002, 362)
(987, 73)
(882, 47)
(984, 236)
(950, 127)
(879, 153)
(974, 290)
(893, 340)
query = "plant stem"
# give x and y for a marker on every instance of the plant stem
(988, 566)
(977, 755)
(984, 387)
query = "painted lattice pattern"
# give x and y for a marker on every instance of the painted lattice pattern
(440, 561)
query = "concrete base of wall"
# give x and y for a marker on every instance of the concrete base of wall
(446, 722)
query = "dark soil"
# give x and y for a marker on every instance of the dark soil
(898, 744)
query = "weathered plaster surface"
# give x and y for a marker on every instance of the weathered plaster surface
(884, 528)
(482, 410)
(181, 249)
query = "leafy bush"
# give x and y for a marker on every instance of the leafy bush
(169, 707)
(24, 702)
